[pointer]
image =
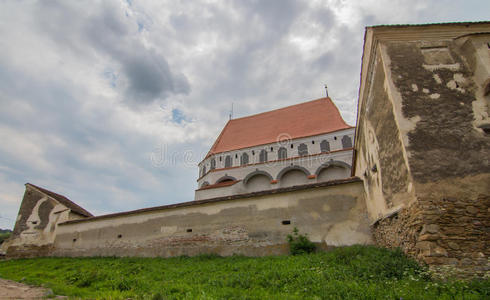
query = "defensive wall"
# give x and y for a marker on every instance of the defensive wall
(256, 224)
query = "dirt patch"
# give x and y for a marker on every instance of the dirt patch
(15, 290)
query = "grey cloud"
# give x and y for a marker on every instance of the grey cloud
(150, 77)
(109, 33)
(276, 15)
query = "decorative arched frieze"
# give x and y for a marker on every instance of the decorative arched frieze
(226, 178)
(290, 168)
(332, 163)
(205, 183)
(255, 173)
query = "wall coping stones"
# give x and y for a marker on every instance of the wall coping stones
(220, 199)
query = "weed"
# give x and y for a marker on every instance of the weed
(300, 243)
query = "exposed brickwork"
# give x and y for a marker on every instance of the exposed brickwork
(400, 230)
(28, 251)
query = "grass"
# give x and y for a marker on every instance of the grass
(357, 272)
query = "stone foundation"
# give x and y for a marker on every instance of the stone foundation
(442, 231)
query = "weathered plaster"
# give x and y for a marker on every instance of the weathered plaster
(249, 226)
(36, 225)
(436, 79)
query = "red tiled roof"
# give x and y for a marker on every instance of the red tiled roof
(300, 120)
(65, 201)
(219, 184)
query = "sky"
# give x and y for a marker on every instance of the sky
(113, 103)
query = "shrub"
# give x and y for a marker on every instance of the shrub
(299, 243)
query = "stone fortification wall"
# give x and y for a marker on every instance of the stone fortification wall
(437, 91)
(449, 226)
(332, 214)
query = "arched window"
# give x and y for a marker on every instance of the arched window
(346, 142)
(325, 146)
(263, 155)
(302, 149)
(213, 164)
(203, 170)
(244, 159)
(227, 161)
(282, 153)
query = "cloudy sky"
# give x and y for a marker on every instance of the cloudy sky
(113, 103)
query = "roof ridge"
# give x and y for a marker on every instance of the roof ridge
(283, 108)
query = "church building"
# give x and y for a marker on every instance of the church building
(295, 145)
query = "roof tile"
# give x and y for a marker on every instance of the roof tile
(291, 122)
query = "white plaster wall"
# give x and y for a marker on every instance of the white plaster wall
(333, 173)
(310, 163)
(334, 138)
(332, 216)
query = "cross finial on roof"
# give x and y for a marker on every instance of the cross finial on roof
(326, 89)
(231, 111)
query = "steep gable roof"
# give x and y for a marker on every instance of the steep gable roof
(63, 200)
(295, 121)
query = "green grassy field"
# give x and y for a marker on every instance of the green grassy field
(356, 272)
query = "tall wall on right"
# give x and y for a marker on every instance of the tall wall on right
(422, 141)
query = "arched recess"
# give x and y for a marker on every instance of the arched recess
(325, 146)
(244, 159)
(333, 170)
(257, 181)
(302, 149)
(228, 161)
(205, 183)
(256, 173)
(213, 164)
(282, 153)
(226, 178)
(293, 175)
(263, 155)
(289, 168)
(346, 142)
